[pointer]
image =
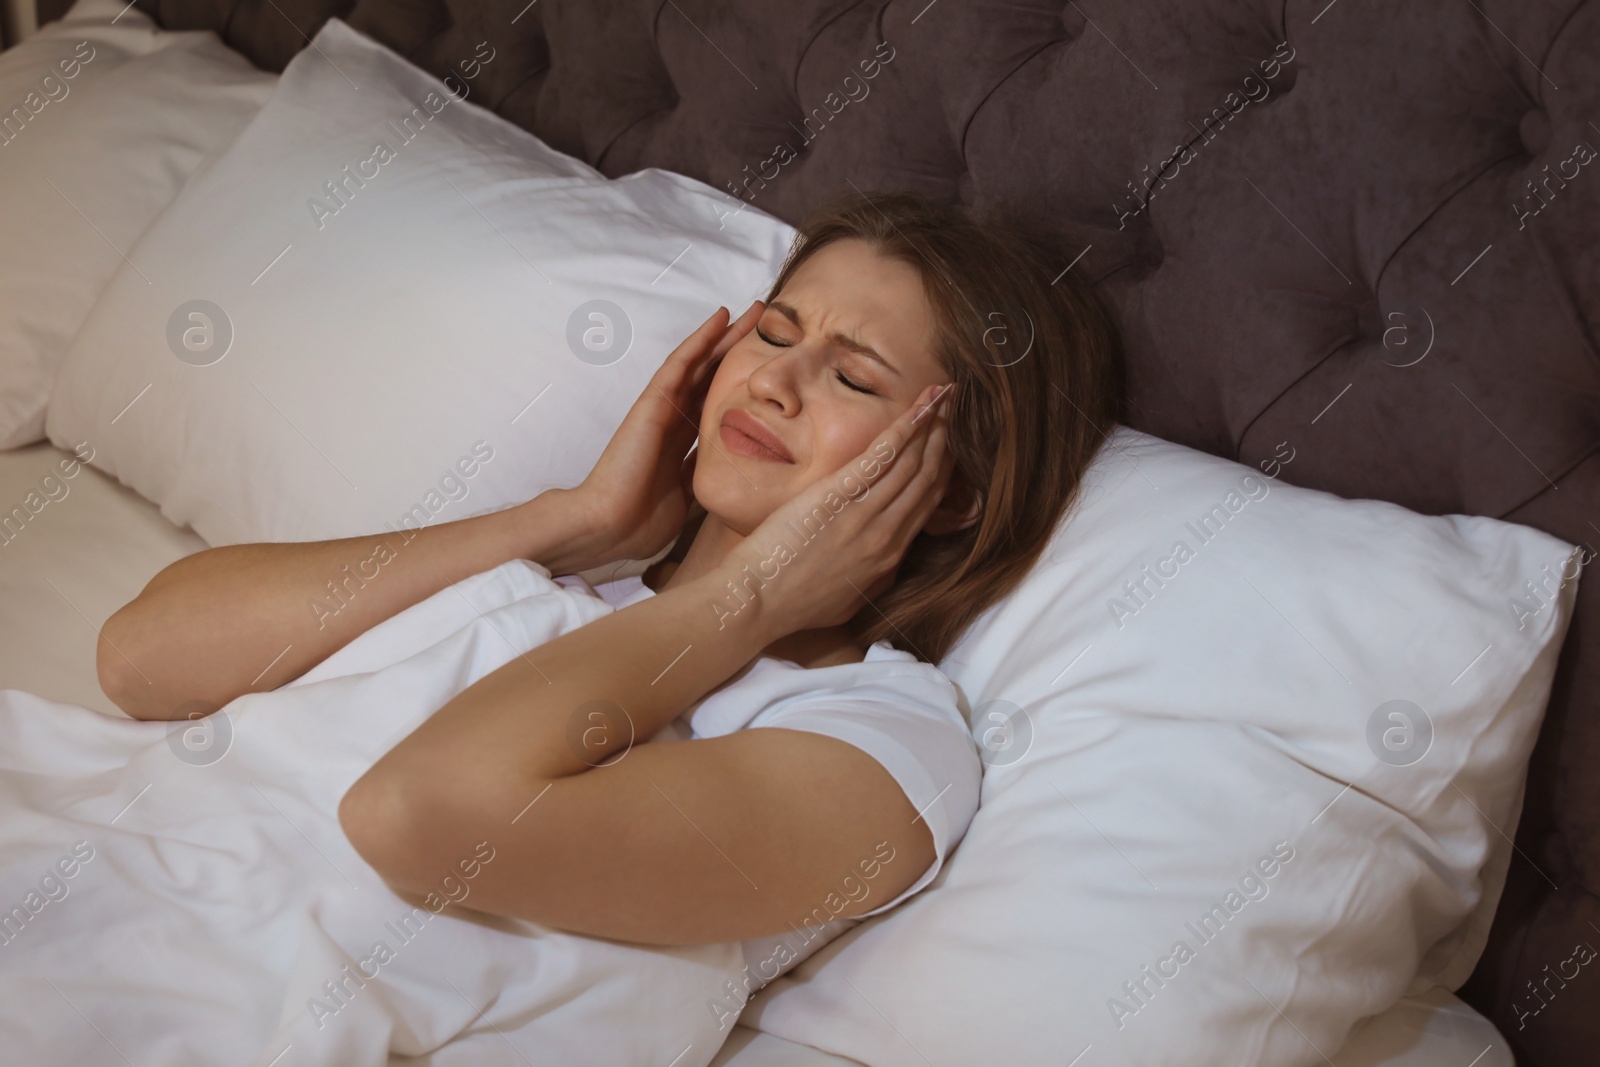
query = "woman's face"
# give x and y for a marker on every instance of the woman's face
(807, 373)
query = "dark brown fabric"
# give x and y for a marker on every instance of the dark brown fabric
(50, 10)
(1345, 255)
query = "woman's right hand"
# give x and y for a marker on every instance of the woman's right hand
(637, 496)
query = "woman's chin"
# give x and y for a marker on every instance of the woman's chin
(734, 513)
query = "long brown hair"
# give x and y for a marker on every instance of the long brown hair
(1037, 362)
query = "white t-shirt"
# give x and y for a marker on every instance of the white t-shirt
(896, 708)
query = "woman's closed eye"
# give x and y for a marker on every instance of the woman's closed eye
(838, 374)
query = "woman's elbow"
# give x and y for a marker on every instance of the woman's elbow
(373, 815)
(133, 681)
(119, 678)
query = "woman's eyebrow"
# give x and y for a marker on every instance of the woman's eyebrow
(836, 337)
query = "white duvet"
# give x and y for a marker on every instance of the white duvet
(180, 894)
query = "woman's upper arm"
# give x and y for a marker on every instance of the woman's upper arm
(687, 842)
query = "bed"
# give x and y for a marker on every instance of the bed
(87, 559)
(1372, 199)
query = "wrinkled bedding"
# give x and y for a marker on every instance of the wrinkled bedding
(182, 893)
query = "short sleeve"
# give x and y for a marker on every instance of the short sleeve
(897, 709)
(906, 718)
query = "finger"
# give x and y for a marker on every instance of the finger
(908, 512)
(696, 383)
(907, 504)
(915, 471)
(738, 328)
(732, 335)
(723, 339)
(696, 346)
(709, 329)
(694, 361)
(902, 434)
(908, 441)
(905, 494)
(670, 381)
(931, 403)
(693, 397)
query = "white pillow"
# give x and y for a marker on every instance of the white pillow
(105, 117)
(1154, 754)
(466, 326)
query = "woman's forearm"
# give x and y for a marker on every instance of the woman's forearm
(247, 618)
(569, 704)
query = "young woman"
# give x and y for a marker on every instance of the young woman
(882, 450)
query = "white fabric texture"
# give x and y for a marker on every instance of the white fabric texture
(900, 711)
(103, 117)
(89, 548)
(393, 337)
(187, 888)
(1208, 835)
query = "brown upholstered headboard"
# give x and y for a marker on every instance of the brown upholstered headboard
(1364, 228)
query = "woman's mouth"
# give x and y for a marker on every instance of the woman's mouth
(746, 436)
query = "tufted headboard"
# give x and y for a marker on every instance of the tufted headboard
(1365, 229)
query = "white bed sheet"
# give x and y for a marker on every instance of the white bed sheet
(87, 551)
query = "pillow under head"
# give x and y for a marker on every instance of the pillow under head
(1255, 756)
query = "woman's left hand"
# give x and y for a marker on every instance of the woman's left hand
(876, 505)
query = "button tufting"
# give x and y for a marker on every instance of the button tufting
(1148, 253)
(1534, 129)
